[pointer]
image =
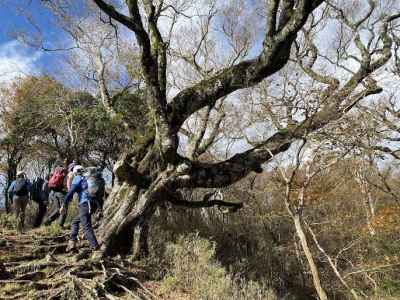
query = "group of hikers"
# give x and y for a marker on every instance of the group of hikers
(57, 190)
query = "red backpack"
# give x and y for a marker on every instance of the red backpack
(57, 179)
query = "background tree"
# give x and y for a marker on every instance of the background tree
(47, 121)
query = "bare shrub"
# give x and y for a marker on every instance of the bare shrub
(193, 269)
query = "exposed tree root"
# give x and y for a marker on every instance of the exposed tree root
(41, 269)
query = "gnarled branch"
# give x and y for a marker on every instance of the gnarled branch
(177, 199)
(273, 57)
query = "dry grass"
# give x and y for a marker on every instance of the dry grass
(195, 274)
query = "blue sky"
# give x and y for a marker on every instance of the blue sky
(15, 57)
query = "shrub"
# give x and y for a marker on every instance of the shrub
(8, 221)
(194, 270)
(52, 230)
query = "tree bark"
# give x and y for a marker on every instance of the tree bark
(116, 236)
(127, 213)
(314, 271)
(140, 238)
(368, 201)
(369, 212)
(11, 176)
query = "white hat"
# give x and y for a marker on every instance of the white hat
(20, 173)
(78, 169)
(91, 171)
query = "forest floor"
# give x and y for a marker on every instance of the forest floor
(35, 265)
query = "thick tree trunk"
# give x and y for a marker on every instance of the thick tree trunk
(125, 225)
(115, 234)
(143, 183)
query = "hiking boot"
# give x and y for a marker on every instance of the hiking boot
(71, 246)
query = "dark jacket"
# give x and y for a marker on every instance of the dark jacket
(11, 189)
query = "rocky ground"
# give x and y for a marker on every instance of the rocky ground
(34, 265)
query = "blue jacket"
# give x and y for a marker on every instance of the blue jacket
(79, 185)
(11, 189)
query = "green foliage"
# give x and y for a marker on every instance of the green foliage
(72, 210)
(8, 221)
(391, 287)
(193, 269)
(52, 230)
(46, 119)
(132, 107)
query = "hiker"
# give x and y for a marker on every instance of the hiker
(19, 192)
(40, 195)
(70, 175)
(88, 187)
(57, 187)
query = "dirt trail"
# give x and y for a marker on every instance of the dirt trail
(34, 265)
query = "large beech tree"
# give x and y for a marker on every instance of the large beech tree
(154, 170)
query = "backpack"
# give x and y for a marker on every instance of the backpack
(36, 191)
(95, 188)
(21, 187)
(57, 179)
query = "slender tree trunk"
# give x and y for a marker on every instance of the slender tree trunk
(314, 271)
(333, 266)
(368, 202)
(7, 202)
(369, 216)
(369, 205)
(11, 175)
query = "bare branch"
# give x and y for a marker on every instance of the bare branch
(245, 74)
(272, 11)
(206, 202)
(331, 263)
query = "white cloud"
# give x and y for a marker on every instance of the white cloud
(17, 60)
